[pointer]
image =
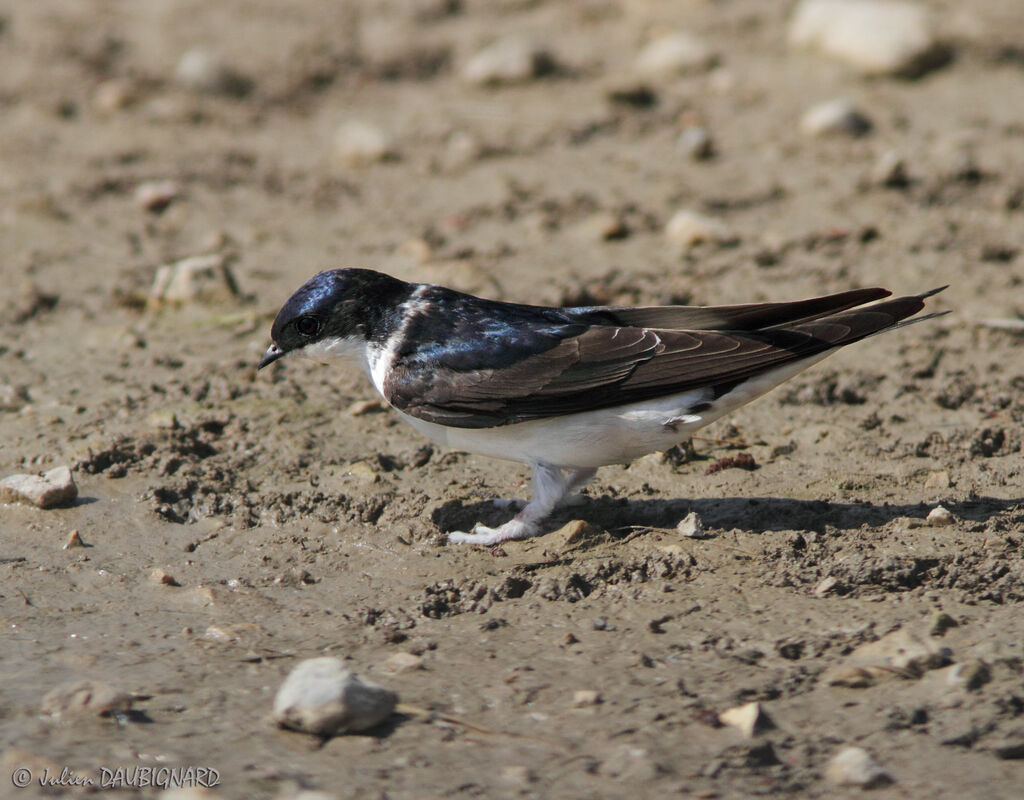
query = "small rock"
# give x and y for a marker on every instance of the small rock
(361, 408)
(602, 226)
(941, 623)
(163, 420)
(689, 228)
(400, 662)
(205, 71)
(940, 517)
(834, 117)
(363, 471)
(956, 157)
(971, 675)
(54, 488)
(510, 60)
(696, 142)
(632, 763)
(586, 697)
(74, 540)
(13, 398)
(691, 526)
(89, 697)
(155, 196)
(675, 54)
(749, 719)
(460, 150)
(890, 171)
(855, 766)
(204, 279)
(114, 94)
(320, 696)
(850, 677)
(163, 577)
(358, 143)
(875, 37)
(900, 652)
(825, 586)
(938, 480)
(517, 774)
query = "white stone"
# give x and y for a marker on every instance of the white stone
(322, 697)
(940, 517)
(834, 117)
(586, 697)
(696, 142)
(825, 586)
(207, 279)
(513, 59)
(688, 228)
(54, 488)
(88, 697)
(749, 719)
(358, 143)
(691, 526)
(205, 71)
(875, 37)
(855, 766)
(155, 196)
(675, 54)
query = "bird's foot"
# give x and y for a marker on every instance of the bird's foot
(486, 537)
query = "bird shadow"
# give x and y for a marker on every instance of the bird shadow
(621, 516)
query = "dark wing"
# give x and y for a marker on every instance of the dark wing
(606, 366)
(748, 317)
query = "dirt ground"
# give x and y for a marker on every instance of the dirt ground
(296, 523)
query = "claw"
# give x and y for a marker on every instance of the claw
(486, 537)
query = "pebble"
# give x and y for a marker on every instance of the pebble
(691, 526)
(855, 766)
(675, 54)
(358, 143)
(874, 37)
(941, 623)
(825, 586)
(400, 662)
(90, 697)
(114, 94)
(205, 279)
(899, 652)
(510, 60)
(74, 540)
(749, 719)
(688, 228)
(361, 408)
(586, 697)
(890, 171)
(834, 117)
(205, 71)
(517, 774)
(54, 488)
(696, 143)
(322, 697)
(13, 398)
(163, 577)
(571, 533)
(155, 196)
(362, 470)
(940, 517)
(460, 150)
(602, 226)
(971, 675)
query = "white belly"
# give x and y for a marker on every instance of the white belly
(606, 436)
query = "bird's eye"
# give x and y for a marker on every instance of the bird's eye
(307, 326)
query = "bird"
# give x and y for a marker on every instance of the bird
(565, 390)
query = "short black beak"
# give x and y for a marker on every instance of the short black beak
(273, 353)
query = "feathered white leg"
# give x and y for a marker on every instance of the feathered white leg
(550, 487)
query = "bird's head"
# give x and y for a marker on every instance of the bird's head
(330, 313)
